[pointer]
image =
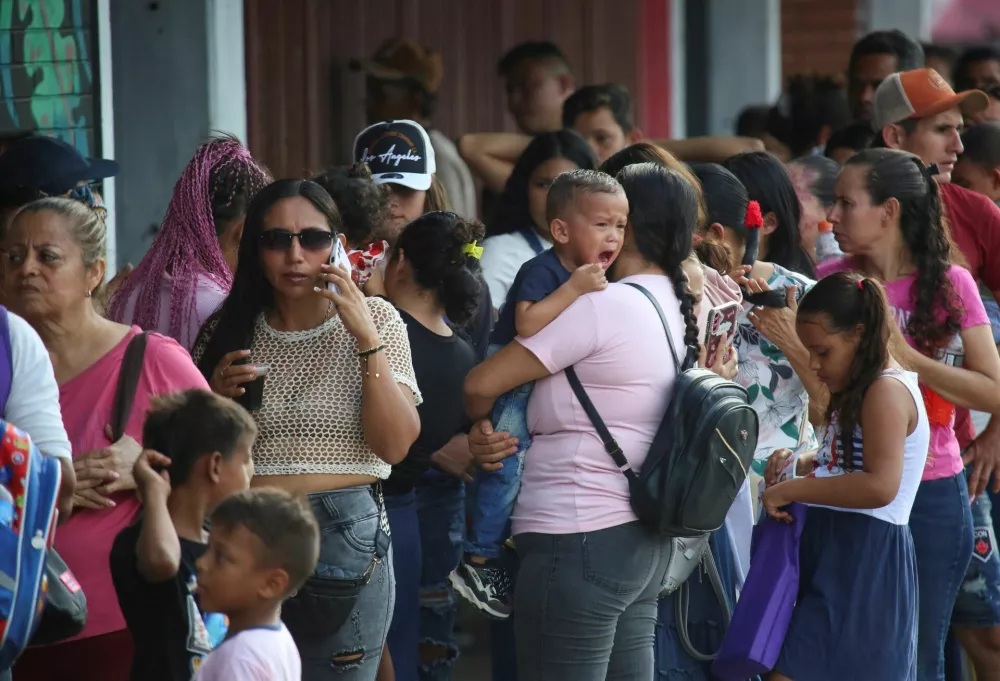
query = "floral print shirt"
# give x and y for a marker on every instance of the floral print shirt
(776, 393)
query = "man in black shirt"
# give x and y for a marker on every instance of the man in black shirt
(197, 452)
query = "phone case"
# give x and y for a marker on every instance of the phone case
(338, 258)
(721, 327)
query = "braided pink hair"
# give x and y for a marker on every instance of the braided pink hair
(187, 244)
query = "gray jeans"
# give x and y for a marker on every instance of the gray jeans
(585, 605)
(349, 529)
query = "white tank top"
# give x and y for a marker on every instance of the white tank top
(828, 463)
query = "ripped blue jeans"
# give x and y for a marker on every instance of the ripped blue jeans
(978, 602)
(441, 510)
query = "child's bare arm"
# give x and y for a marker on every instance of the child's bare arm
(158, 550)
(530, 318)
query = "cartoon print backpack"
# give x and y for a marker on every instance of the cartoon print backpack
(29, 488)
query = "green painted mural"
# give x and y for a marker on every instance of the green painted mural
(47, 70)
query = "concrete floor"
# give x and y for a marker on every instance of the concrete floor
(474, 639)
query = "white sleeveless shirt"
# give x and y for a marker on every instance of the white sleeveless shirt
(828, 461)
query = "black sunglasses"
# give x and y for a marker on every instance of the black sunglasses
(311, 239)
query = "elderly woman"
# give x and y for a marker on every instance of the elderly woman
(327, 375)
(53, 271)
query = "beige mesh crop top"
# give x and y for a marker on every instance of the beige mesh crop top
(310, 415)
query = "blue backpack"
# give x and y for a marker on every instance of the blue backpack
(29, 489)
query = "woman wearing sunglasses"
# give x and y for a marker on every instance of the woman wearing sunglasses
(328, 377)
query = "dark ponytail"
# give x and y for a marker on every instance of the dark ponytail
(663, 214)
(898, 175)
(441, 249)
(841, 303)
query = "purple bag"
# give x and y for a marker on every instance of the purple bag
(764, 610)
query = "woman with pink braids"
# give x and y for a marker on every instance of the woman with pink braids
(187, 272)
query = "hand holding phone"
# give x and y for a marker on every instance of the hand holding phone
(338, 258)
(721, 329)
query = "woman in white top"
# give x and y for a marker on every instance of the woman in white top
(329, 380)
(521, 230)
(856, 611)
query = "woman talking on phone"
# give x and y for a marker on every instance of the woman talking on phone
(327, 375)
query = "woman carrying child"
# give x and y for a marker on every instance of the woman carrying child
(856, 612)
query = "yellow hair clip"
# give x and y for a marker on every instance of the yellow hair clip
(473, 249)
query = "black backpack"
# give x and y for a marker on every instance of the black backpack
(701, 453)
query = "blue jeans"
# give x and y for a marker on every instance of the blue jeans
(350, 540)
(978, 602)
(441, 510)
(941, 525)
(496, 491)
(705, 620)
(404, 632)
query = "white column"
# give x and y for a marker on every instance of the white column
(744, 58)
(678, 70)
(107, 147)
(227, 91)
(912, 17)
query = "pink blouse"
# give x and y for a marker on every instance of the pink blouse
(84, 541)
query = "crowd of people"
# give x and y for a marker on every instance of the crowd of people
(352, 405)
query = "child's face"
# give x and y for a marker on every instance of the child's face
(229, 577)
(696, 282)
(978, 178)
(602, 132)
(236, 471)
(831, 353)
(593, 229)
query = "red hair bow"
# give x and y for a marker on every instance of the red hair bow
(754, 219)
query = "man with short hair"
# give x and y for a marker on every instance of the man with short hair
(978, 167)
(873, 59)
(978, 67)
(602, 114)
(403, 80)
(918, 112)
(538, 80)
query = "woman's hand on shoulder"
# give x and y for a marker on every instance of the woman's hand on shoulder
(228, 378)
(490, 448)
(352, 306)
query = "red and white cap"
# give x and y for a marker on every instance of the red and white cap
(921, 93)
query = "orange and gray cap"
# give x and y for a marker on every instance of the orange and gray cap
(918, 94)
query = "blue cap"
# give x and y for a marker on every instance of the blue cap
(50, 164)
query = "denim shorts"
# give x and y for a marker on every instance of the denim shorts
(978, 601)
(352, 536)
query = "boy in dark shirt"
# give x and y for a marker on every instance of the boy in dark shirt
(197, 451)
(587, 211)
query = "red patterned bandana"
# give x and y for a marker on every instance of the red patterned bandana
(365, 260)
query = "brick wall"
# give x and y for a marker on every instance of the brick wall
(817, 35)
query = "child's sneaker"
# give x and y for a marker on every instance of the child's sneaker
(486, 586)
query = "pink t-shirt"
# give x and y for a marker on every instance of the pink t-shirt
(84, 541)
(615, 340)
(944, 457)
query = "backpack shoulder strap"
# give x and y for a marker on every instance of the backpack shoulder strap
(610, 444)
(6, 355)
(666, 327)
(128, 383)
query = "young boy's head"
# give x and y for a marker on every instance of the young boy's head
(602, 114)
(263, 546)
(207, 438)
(587, 211)
(978, 168)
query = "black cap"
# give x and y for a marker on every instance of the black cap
(397, 152)
(50, 164)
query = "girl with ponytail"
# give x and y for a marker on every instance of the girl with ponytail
(773, 364)
(188, 271)
(856, 611)
(888, 219)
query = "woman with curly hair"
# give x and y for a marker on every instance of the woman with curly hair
(187, 272)
(888, 219)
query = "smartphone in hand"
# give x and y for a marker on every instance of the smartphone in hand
(338, 258)
(721, 329)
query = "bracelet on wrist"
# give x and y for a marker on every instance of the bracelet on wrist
(372, 350)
